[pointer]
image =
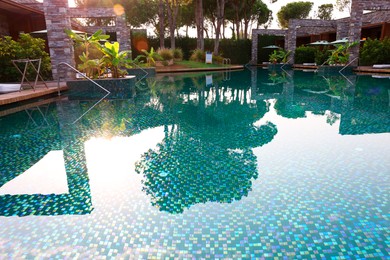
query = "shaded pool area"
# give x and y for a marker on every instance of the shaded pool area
(228, 165)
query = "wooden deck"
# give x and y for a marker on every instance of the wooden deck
(28, 94)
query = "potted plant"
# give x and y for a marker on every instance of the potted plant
(115, 60)
(89, 65)
(107, 70)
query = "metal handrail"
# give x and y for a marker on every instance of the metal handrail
(349, 63)
(226, 61)
(144, 76)
(80, 73)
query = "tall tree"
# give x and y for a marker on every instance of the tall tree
(199, 20)
(325, 11)
(294, 10)
(254, 11)
(220, 17)
(161, 29)
(173, 10)
(245, 13)
(344, 5)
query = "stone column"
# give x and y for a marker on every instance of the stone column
(123, 33)
(61, 48)
(292, 39)
(355, 29)
(255, 38)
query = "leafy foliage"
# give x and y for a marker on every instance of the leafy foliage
(375, 52)
(325, 11)
(340, 55)
(198, 55)
(178, 54)
(26, 47)
(151, 56)
(305, 54)
(294, 10)
(165, 53)
(279, 56)
(115, 59)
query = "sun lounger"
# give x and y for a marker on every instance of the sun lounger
(381, 66)
(9, 87)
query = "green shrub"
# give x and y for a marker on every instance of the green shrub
(218, 59)
(178, 54)
(375, 52)
(239, 51)
(165, 53)
(26, 47)
(198, 55)
(305, 54)
(322, 56)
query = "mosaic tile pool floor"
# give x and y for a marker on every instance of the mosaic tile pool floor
(256, 165)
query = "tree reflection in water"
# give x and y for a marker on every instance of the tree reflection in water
(206, 154)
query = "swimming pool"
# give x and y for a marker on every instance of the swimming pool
(229, 165)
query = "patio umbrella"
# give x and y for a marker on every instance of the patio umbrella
(317, 43)
(271, 47)
(45, 31)
(341, 41)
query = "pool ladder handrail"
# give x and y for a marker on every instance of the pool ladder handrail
(79, 73)
(226, 61)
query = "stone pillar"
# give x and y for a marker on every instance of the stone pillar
(60, 45)
(255, 39)
(123, 33)
(292, 39)
(355, 29)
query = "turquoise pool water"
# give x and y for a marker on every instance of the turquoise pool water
(232, 165)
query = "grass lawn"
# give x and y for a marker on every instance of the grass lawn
(193, 64)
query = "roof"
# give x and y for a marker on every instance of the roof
(16, 6)
(374, 17)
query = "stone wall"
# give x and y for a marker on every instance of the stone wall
(356, 22)
(308, 26)
(255, 40)
(58, 17)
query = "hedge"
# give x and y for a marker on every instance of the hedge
(238, 51)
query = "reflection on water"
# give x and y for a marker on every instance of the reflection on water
(236, 160)
(209, 131)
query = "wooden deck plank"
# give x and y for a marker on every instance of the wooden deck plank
(27, 94)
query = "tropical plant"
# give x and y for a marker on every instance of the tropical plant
(91, 67)
(279, 56)
(87, 41)
(340, 55)
(151, 56)
(88, 65)
(115, 59)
